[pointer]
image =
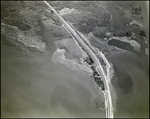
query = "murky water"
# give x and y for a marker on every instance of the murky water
(38, 87)
(56, 83)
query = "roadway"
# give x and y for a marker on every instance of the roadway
(87, 48)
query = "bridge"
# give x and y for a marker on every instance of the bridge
(85, 45)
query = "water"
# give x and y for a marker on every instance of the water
(57, 83)
(132, 87)
(37, 87)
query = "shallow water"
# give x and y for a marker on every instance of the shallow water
(56, 83)
(41, 88)
(132, 86)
